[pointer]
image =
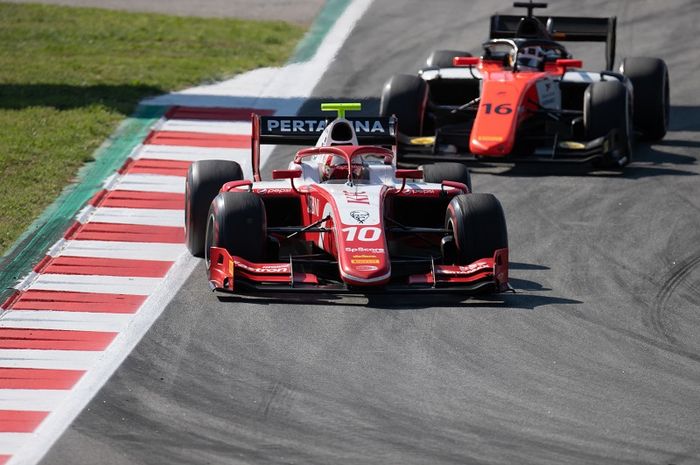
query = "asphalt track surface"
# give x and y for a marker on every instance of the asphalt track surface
(595, 360)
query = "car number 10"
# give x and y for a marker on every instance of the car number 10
(365, 234)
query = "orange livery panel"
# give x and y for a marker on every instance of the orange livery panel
(502, 107)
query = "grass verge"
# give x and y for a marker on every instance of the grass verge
(68, 76)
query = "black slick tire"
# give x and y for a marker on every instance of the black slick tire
(204, 180)
(478, 226)
(606, 107)
(438, 172)
(650, 95)
(237, 222)
(406, 96)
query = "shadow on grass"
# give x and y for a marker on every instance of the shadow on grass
(122, 98)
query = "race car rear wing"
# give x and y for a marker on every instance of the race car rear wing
(303, 130)
(564, 29)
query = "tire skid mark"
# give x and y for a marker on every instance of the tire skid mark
(654, 342)
(660, 311)
(276, 400)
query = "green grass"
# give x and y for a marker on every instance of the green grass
(68, 76)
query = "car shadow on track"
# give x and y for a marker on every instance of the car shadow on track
(657, 159)
(527, 295)
(518, 300)
(122, 98)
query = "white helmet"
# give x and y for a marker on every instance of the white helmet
(531, 58)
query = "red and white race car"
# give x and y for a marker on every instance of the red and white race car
(342, 217)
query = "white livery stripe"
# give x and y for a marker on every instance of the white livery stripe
(581, 76)
(142, 216)
(98, 284)
(30, 399)
(150, 183)
(126, 250)
(174, 152)
(48, 359)
(209, 127)
(10, 443)
(76, 321)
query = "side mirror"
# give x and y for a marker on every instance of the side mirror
(409, 174)
(568, 63)
(286, 174)
(465, 61)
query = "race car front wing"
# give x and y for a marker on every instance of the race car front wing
(432, 149)
(229, 273)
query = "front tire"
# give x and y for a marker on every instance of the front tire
(204, 180)
(237, 222)
(651, 101)
(405, 96)
(478, 226)
(606, 107)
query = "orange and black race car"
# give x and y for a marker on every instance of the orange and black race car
(526, 99)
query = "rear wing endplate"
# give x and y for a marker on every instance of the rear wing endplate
(302, 130)
(564, 29)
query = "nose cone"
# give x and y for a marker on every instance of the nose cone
(364, 266)
(362, 250)
(493, 132)
(490, 145)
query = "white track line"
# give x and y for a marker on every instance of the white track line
(208, 127)
(54, 319)
(174, 152)
(126, 250)
(150, 183)
(31, 399)
(50, 359)
(169, 152)
(10, 443)
(141, 216)
(284, 89)
(98, 284)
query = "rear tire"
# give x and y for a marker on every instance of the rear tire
(204, 180)
(606, 107)
(651, 103)
(438, 172)
(443, 58)
(478, 226)
(405, 96)
(237, 222)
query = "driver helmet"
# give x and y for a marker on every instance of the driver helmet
(531, 58)
(335, 167)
